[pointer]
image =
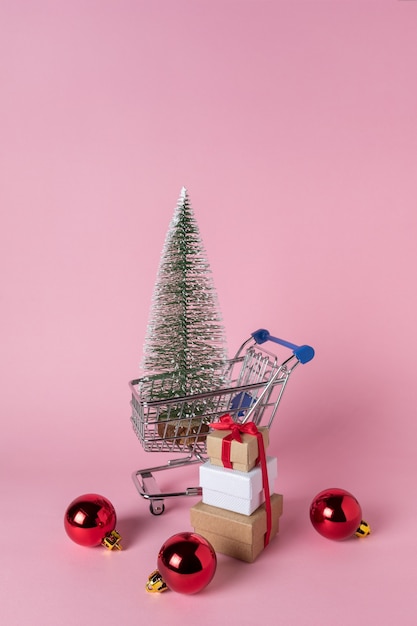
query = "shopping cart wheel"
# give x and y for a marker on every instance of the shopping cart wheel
(157, 507)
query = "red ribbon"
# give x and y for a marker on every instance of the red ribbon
(227, 423)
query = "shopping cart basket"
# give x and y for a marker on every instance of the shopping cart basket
(254, 381)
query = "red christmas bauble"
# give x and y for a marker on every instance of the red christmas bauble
(89, 519)
(187, 562)
(335, 514)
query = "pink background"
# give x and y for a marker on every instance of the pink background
(293, 126)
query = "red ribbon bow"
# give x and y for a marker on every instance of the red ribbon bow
(227, 423)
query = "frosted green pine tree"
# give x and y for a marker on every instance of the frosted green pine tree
(185, 347)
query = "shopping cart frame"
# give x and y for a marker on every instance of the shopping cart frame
(259, 385)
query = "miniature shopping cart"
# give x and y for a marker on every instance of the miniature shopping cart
(254, 381)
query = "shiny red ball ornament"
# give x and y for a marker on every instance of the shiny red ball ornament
(187, 562)
(335, 514)
(90, 520)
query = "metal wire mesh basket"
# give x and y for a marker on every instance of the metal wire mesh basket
(254, 381)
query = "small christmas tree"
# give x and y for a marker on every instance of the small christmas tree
(184, 352)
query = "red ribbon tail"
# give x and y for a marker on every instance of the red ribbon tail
(265, 482)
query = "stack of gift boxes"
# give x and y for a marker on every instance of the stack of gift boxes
(239, 511)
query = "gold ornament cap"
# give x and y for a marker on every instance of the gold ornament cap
(363, 529)
(112, 541)
(156, 583)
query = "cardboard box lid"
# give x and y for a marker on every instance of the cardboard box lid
(235, 525)
(240, 484)
(245, 452)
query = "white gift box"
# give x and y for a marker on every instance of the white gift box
(241, 492)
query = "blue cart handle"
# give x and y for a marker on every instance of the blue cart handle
(303, 353)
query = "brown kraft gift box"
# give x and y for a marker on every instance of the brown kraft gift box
(243, 456)
(237, 535)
